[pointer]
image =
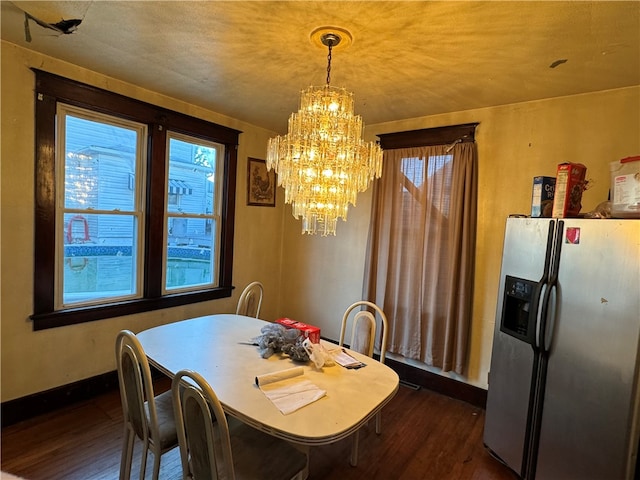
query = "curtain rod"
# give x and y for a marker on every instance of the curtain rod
(456, 141)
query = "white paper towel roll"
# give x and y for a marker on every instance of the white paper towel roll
(268, 378)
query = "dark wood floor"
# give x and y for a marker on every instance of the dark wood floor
(424, 436)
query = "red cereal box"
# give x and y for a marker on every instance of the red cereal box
(570, 183)
(309, 331)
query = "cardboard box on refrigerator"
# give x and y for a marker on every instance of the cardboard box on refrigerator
(570, 183)
(542, 196)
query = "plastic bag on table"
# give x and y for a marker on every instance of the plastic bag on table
(318, 354)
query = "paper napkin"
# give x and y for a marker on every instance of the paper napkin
(288, 390)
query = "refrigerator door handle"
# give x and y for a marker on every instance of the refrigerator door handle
(540, 311)
(543, 336)
(547, 317)
(543, 287)
(548, 255)
(551, 318)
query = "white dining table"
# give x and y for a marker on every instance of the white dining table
(218, 347)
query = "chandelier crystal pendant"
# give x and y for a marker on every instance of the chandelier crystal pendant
(323, 162)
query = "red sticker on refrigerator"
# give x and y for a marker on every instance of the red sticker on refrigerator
(573, 235)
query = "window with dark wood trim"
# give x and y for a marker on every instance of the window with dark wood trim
(52, 90)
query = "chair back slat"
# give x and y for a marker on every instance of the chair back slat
(250, 300)
(363, 333)
(364, 328)
(134, 391)
(198, 425)
(203, 432)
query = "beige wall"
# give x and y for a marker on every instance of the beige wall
(311, 279)
(36, 361)
(515, 143)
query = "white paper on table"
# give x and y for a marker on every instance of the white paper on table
(343, 358)
(288, 390)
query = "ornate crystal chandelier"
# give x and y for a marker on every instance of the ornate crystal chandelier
(323, 162)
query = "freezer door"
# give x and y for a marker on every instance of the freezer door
(512, 359)
(589, 419)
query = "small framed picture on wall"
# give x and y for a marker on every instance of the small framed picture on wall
(261, 184)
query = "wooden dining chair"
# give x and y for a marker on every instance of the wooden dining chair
(146, 416)
(212, 446)
(250, 300)
(363, 335)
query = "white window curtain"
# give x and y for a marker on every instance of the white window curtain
(420, 253)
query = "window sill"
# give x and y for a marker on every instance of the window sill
(61, 318)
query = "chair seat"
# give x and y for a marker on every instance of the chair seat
(166, 423)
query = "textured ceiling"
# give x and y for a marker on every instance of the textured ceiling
(250, 59)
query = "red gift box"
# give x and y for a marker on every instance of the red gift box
(309, 331)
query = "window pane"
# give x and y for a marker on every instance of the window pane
(440, 175)
(191, 213)
(413, 170)
(189, 254)
(100, 165)
(97, 262)
(191, 180)
(99, 257)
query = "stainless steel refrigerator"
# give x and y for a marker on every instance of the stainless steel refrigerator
(563, 392)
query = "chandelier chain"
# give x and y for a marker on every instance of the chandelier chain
(329, 62)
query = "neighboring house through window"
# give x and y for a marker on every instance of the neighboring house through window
(134, 205)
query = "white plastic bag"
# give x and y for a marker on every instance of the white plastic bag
(318, 354)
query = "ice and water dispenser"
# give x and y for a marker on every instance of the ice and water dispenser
(519, 309)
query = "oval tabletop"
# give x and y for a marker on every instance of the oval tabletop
(217, 347)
